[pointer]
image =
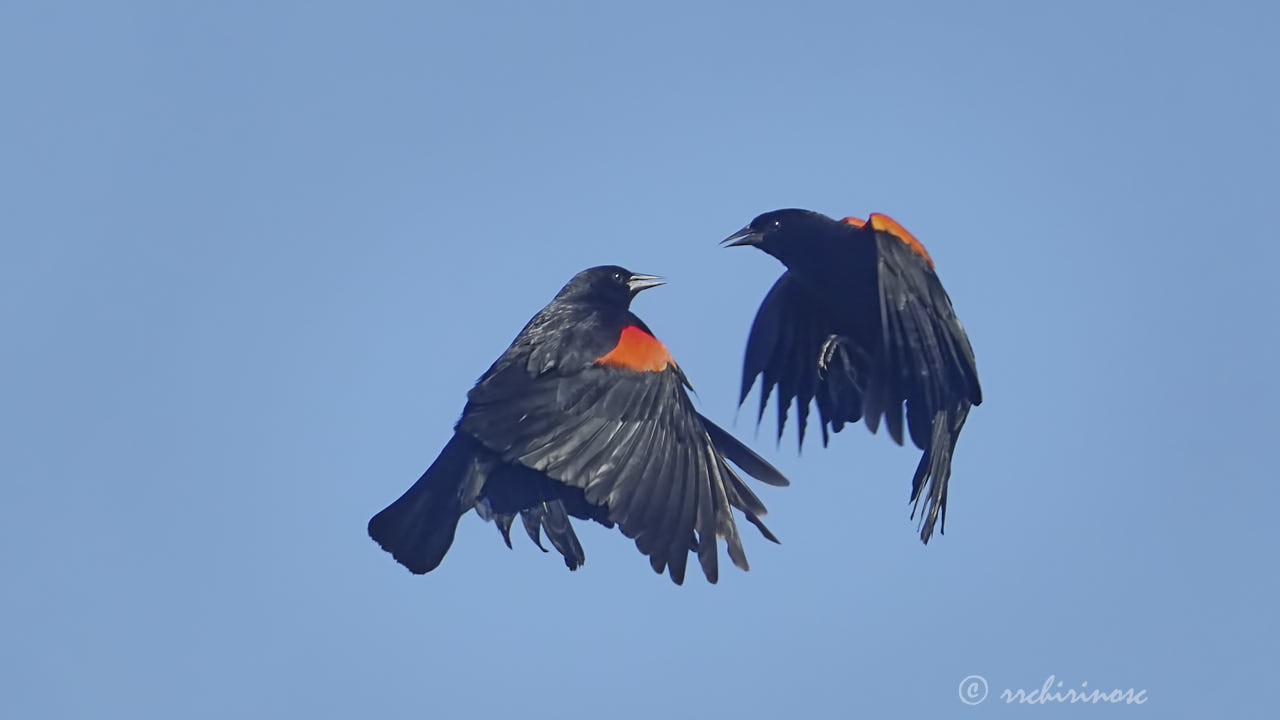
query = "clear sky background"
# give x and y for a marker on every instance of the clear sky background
(254, 256)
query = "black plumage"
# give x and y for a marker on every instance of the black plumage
(860, 326)
(585, 415)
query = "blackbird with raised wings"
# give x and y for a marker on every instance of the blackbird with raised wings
(584, 415)
(860, 323)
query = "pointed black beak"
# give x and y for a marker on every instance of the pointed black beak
(745, 236)
(640, 282)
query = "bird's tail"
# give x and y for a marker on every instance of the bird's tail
(934, 470)
(418, 528)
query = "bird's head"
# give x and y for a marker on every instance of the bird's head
(774, 232)
(608, 284)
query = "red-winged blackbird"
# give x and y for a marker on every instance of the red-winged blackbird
(584, 415)
(859, 321)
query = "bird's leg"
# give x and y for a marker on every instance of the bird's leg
(828, 352)
(828, 359)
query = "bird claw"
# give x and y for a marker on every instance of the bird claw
(827, 358)
(829, 348)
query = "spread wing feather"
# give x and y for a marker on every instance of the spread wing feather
(634, 445)
(793, 346)
(927, 362)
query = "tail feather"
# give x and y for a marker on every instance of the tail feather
(418, 528)
(934, 470)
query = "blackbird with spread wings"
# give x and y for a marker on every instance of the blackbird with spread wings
(860, 323)
(585, 415)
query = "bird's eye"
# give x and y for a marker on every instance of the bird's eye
(777, 223)
(617, 277)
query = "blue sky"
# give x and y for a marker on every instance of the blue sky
(254, 256)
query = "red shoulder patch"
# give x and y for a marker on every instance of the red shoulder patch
(884, 223)
(639, 351)
(856, 222)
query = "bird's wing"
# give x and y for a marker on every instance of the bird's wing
(624, 431)
(793, 346)
(925, 360)
(925, 356)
